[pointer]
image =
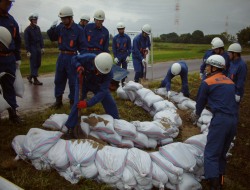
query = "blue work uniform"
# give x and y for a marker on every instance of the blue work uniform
(96, 83)
(8, 59)
(218, 92)
(33, 44)
(140, 45)
(121, 47)
(70, 41)
(184, 79)
(208, 53)
(238, 74)
(96, 40)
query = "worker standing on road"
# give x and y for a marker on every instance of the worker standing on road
(121, 47)
(97, 74)
(175, 69)
(237, 70)
(35, 47)
(96, 36)
(10, 58)
(217, 49)
(217, 91)
(84, 20)
(70, 41)
(141, 46)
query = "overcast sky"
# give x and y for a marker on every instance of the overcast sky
(209, 16)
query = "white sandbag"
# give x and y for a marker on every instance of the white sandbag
(84, 125)
(131, 85)
(143, 92)
(55, 121)
(3, 103)
(140, 141)
(57, 157)
(182, 105)
(38, 142)
(170, 186)
(128, 179)
(114, 138)
(190, 104)
(206, 112)
(165, 141)
(18, 83)
(90, 171)
(168, 116)
(124, 128)
(145, 107)
(138, 101)
(110, 162)
(178, 154)
(152, 143)
(165, 165)
(198, 154)
(39, 164)
(175, 132)
(121, 93)
(160, 178)
(204, 127)
(132, 95)
(164, 104)
(189, 183)
(101, 123)
(69, 176)
(140, 163)
(126, 144)
(206, 119)
(161, 91)
(199, 141)
(17, 145)
(150, 99)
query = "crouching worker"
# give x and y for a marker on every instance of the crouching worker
(181, 69)
(218, 91)
(96, 74)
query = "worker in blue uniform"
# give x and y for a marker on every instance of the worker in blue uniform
(181, 69)
(217, 91)
(97, 74)
(84, 20)
(217, 49)
(10, 59)
(34, 48)
(96, 36)
(237, 70)
(141, 46)
(70, 41)
(121, 47)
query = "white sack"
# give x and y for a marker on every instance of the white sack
(164, 104)
(90, 171)
(18, 84)
(17, 145)
(199, 141)
(189, 183)
(168, 116)
(141, 140)
(131, 85)
(124, 128)
(160, 178)
(121, 93)
(55, 121)
(161, 91)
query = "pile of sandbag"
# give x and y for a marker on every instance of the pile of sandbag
(174, 166)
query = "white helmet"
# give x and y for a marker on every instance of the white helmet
(85, 17)
(146, 28)
(120, 25)
(216, 61)
(215, 38)
(217, 43)
(33, 16)
(235, 47)
(176, 69)
(5, 36)
(104, 62)
(99, 15)
(65, 12)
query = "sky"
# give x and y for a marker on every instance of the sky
(209, 16)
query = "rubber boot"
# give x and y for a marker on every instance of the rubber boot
(69, 135)
(29, 79)
(13, 117)
(214, 184)
(37, 82)
(58, 104)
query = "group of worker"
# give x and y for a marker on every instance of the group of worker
(86, 63)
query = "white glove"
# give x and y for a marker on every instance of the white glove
(28, 54)
(237, 98)
(169, 94)
(144, 61)
(18, 63)
(127, 59)
(194, 118)
(42, 50)
(201, 75)
(116, 60)
(54, 23)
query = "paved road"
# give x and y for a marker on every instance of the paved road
(39, 97)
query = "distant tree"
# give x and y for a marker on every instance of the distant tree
(172, 37)
(163, 37)
(197, 37)
(185, 38)
(244, 36)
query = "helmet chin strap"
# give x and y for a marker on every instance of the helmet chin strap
(212, 72)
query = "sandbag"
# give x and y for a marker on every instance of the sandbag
(55, 121)
(18, 83)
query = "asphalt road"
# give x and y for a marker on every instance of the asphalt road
(39, 97)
